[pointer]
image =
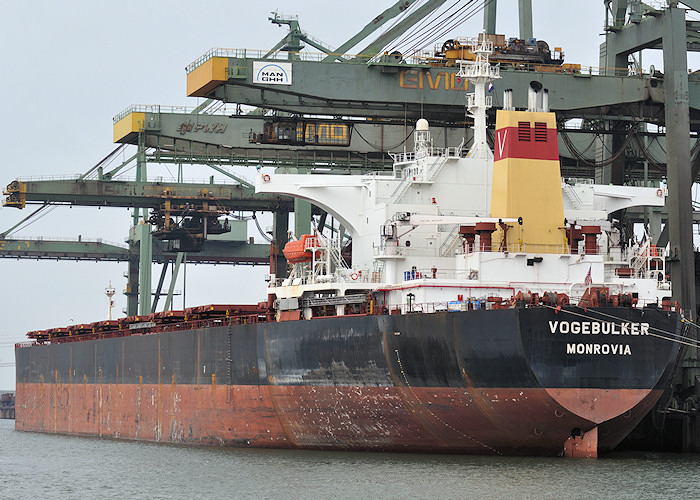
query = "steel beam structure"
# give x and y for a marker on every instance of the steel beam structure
(215, 139)
(132, 280)
(171, 289)
(678, 159)
(214, 252)
(95, 193)
(376, 23)
(668, 29)
(395, 92)
(401, 27)
(280, 237)
(647, 33)
(39, 249)
(225, 140)
(218, 139)
(525, 19)
(141, 235)
(490, 9)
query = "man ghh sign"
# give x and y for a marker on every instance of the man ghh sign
(272, 73)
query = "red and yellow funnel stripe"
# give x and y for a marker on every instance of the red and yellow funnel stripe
(527, 180)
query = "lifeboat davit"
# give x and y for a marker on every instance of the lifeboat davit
(299, 250)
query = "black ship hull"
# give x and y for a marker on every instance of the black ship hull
(535, 381)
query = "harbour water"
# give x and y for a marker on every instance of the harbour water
(36, 465)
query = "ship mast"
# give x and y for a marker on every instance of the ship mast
(479, 74)
(109, 292)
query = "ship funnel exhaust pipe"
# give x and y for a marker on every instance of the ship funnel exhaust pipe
(545, 101)
(531, 99)
(508, 100)
(534, 96)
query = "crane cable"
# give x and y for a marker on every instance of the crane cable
(633, 134)
(386, 148)
(645, 152)
(471, 12)
(465, 17)
(262, 233)
(423, 25)
(417, 39)
(436, 35)
(579, 156)
(31, 219)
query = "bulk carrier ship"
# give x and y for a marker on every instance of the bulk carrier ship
(489, 307)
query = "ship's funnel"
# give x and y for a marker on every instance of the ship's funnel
(527, 180)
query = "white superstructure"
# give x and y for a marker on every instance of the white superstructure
(414, 242)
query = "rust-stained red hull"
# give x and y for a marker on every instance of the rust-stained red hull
(345, 418)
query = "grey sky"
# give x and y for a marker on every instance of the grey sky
(68, 67)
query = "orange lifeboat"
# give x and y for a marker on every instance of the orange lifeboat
(299, 250)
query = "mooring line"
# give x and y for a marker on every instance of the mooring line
(405, 378)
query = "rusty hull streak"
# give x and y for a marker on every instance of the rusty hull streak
(407, 394)
(316, 417)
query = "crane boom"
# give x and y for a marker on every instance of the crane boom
(373, 48)
(376, 23)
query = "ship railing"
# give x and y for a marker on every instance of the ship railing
(379, 174)
(362, 276)
(421, 59)
(648, 260)
(340, 275)
(452, 152)
(432, 273)
(305, 277)
(480, 301)
(466, 304)
(136, 108)
(158, 328)
(29, 343)
(312, 242)
(532, 248)
(157, 181)
(411, 156)
(435, 273)
(471, 101)
(169, 109)
(274, 281)
(574, 181)
(405, 157)
(451, 242)
(571, 194)
(79, 239)
(284, 56)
